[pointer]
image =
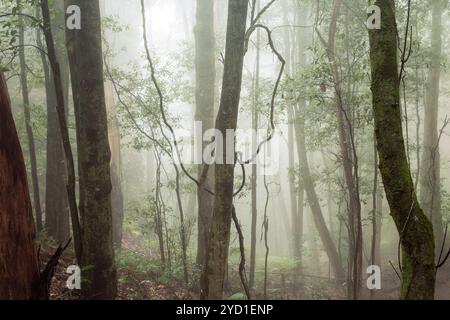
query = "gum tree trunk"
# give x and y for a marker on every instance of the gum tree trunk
(254, 176)
(314, 204)
(84, 48)
(117, 200)
(350, 171)
(205, 62)
(28, 127)
(430, 182)
(61, 112)
(217, 260)
(415, 230)
(294, 195)
(56, 202)
(19, 270)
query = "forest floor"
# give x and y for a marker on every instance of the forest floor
(137, 281)
(132, 284)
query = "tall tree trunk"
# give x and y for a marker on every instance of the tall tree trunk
(350, 171)
(376, 217)
(254, 178)
(56, 202)
(415, 230)
(430, 178)
(27, 116)
(60, 103)
(63, 220)
(293, 192)
(374, 209)
(84, 48)
(205, 63)
(291, 173)
(217, 259)
(19, 270)
(159, 213)
(298, 54)
(117, 206)
(314, 203)
(379, 228)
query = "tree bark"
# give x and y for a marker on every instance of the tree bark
(84, 48)
(254, 177)
(117, 205)
(375, 258)
(298, 54)
(27, 116)
(19, 270)
(415, 229)
(205, 64)
(430, 177)
(214, 273)
(56, 202)
(350, 174)
(314, 203)
(60, 103)
(295, 195)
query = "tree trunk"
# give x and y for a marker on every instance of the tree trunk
(116, 166)
(205, 63)
(295, 241)
(415, 230)
(214, 273)
(430, 178)
(159, 214)
(84, 48)
(378, 228)
(19, 270)
(375, 258)
(345, 147)
(254, 178)
(56, 202)
(298, 52)
(314, 203)
(27, 116)
(60, 103)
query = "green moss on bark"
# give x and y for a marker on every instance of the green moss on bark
(415, 230)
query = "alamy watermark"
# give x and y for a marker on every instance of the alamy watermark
(234, 147)
(374, 279)
(73, 21)
(74, 280)
(374, 20)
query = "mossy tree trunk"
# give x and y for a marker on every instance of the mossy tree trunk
(415, 230)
